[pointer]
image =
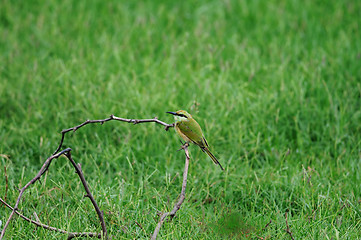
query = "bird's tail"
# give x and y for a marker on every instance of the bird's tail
(206, 150)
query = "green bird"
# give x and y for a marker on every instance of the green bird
(190, 131)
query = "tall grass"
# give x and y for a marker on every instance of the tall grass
(275, 85)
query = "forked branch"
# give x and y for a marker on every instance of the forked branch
(77, 167)
(37, 177)
(66, 152)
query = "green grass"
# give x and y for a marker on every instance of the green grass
(276, 86)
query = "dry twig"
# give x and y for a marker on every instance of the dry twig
(37, 223)
(66, 152)
(265, 227)
(37, 177)
(45, 166)
(180, 200)
(112, 117)
(88, 193)
(288, 227)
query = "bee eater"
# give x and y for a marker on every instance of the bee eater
(190, 131)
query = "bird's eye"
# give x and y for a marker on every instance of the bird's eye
(182, 115)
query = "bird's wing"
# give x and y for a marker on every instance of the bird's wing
(194, 133)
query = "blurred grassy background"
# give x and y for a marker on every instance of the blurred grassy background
(276, 86)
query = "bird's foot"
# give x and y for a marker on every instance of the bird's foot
(184, 146)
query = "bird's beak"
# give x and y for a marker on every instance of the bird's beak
(173, 113)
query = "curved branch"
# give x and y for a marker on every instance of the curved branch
(112, 117)
(37, 177)
(67, 153)
(88, 193)
(70, 234)
(288, 230)
(58, 153)
(181, 197)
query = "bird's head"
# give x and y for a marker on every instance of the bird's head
(181, 115)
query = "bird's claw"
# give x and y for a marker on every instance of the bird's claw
(184, 146)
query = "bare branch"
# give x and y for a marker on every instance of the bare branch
(138, 224)
(37, 223)
(112, 117)
(66, 152)
(37, 177)
(89, 194)
(180, 200)
(288, 227)
(265, 227)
